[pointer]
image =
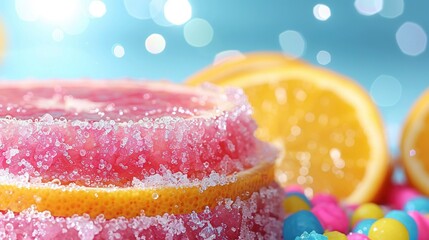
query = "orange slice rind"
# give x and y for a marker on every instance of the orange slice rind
(250, 62)
(413, 146)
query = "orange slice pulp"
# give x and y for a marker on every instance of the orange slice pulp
(64, 200)
(328, 126)
(414, 150)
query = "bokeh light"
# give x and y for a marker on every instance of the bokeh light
(26, 10)
(177, 12)
(198, 32)
(156, 10)
(97, 8)
(71, 16)
(292, 43)
(323, 57)
(386, 91)
(57, 35)
(58, 11)
(392, 8)
(321, 12)
(155, 43)
(411, 39)
(118, 50)
(368, 7)
(138, 8)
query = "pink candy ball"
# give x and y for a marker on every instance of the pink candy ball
(400, 194)
(324, 198)
(332, 217)
(422, 225)
(294, 188)
(357, 236)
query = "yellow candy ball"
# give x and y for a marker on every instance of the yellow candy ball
(295, 202)
(365, 211)
(335, 235)
(388, 228)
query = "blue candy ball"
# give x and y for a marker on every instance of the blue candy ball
(420, 204)
(363, 226)
(311, 236)
(299, 222)
(407, 220)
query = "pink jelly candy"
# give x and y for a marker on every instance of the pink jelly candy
(399, 194)
(357, 236)
(322, 198)
(422, 224)
(332, 217)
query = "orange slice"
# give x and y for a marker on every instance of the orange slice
(63, 200)
(328, 126)
(238, 64)
(414, 150)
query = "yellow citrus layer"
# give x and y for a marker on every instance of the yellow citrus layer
(132, 201)
(414, 148)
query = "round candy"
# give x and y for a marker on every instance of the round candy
(295, 201)
(367, 210)
(398, 195)
(324, 198)
(357, 236)
(332, 217)
(294, 188)
(420, 204)
(363, 226)
(311, 236)
(297, 223)
(388, 228)
(422, 225)
(405, 219)
(335, 235)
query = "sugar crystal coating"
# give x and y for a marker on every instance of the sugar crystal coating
(101, 133)
(255, 218)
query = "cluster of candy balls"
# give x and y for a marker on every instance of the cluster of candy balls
(404, 216)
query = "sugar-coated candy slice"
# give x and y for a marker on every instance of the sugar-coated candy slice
(295, 201)
(405, 219)
(122, 138)
(422, 223)
(109, 132)
(335, 235)
(363, 226)
(302, 221)
(357, 236)
(388, 228)
(420, 204)
(332, 217)
(366, 210)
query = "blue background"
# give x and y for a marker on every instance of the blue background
(361, 47)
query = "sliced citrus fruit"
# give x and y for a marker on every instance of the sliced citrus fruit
(414, 152)
(239, 64)
(128, 159)
(330, 130)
